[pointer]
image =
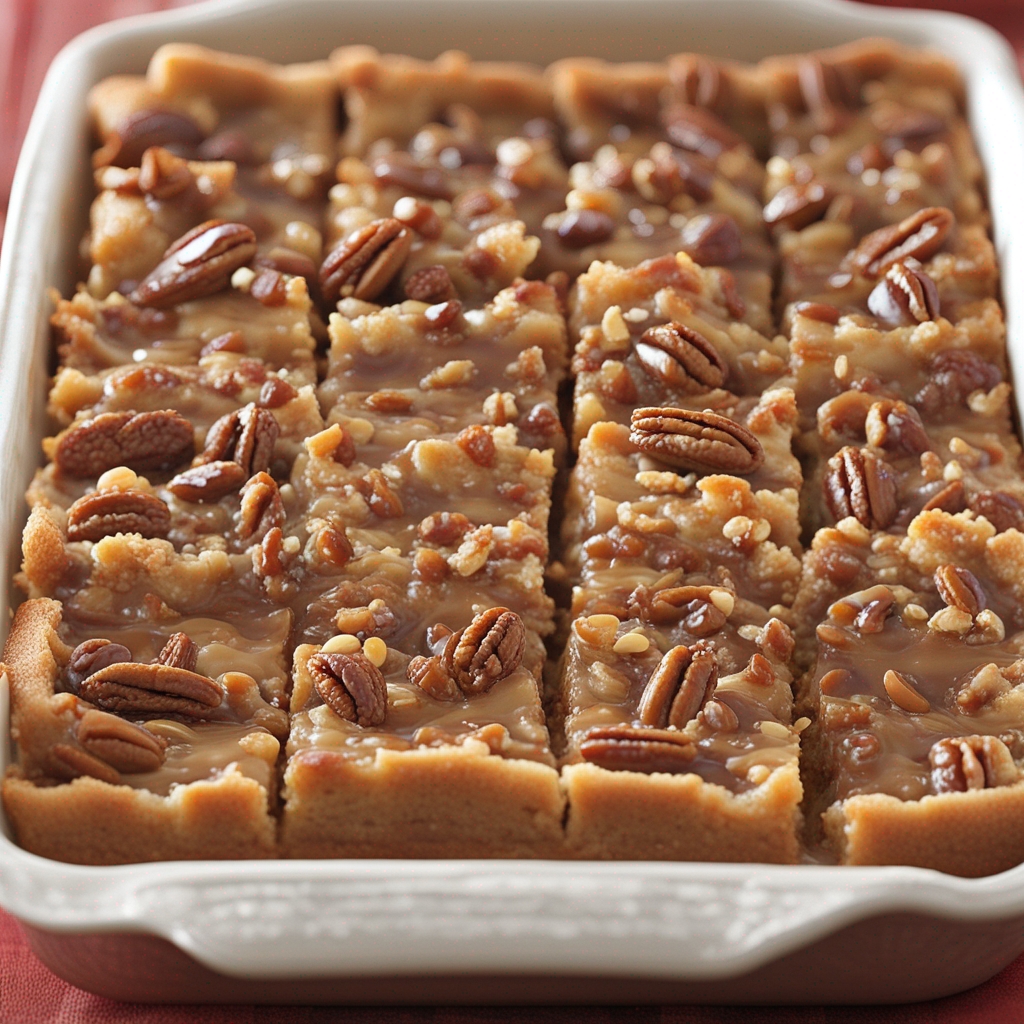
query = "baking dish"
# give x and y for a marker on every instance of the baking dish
(481, 931)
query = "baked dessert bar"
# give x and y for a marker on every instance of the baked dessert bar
(916, 745)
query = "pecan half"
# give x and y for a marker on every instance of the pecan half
(199, 263)
(858, 483)
(139, 440)
(180, 651)
(796, 206)
(364, 263)
(246, 436)
(960, 588)
(134, 688)
(681, 357)
(260, 508)
(905, 295)
(401, 169)
(430, 675)
(92, 655)
(918, 236)
(489, 649)
(638, 749)
(351, 686)
(126, 747)
(679, 687)
(703, 441)
(712, 239)
(70, 762)
(954, 375)
(163, 175)
(208, 482)
(581, 228)
(951, 498)
(971, 762)
(698, 130)
(145, 128)
(104, 513)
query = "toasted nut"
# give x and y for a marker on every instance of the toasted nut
(903, 694)
(260, 506)
(971, 762)
(712, 239)
(679, 687)
(104, 513)
(246, 436)
(919, 236)
(860, 484)
(199, 263)
(431, 285)
(702, 441)
(141, 441)
(145, 128)
(430, 675)
(351, 686)
(364, 263)
(905, 295)
(126, 747)
(343, 643)
(717, 715)
(376, 651)
(134, 688)
(180, 651)
(208, 482)
(796, 206)
(631, 643)
(638, 749)
(681, 357)
(489, 649)
(960, 588)
(92, 655)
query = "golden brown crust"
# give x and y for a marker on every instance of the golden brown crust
(629, 816)
(430, 802)
(977, 833)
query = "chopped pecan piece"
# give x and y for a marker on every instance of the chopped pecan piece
(904, 694)
(92, 655)
(364, 263)
(955, 375)
(582, 228)
(712, 239)
(260, 508)
(275, 392)
(679, 687)
(699, 130)
(681, 357)
(126, 747)
(104, 513)
(163, 175)
(382, 500)
(180, 651)
(692, 607)
(971, 762)
(1002, 510)
(905, 295)
(351, 686)
(489, 649)
(951, 498)
(446, 529)
(918, 236)
(796, 206)
(333, 546)
(860, 484)
(478, 444)
(133, 688)
(896, 427)
(960, 588)
(139, 440)
(430, 675)
(638, 749)
(698, 440)
(199, 263)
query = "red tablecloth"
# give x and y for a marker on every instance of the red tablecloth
(31, 32)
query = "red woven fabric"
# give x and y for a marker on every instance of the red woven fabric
(31, 33)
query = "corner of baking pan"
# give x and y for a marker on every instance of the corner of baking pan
(680, 920)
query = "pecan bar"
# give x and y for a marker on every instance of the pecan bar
(916, 690)
(451, 367)
(660, 331)
(452, 723)
(671, 756)
(141, 739)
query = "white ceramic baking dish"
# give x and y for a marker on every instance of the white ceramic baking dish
(480, 931)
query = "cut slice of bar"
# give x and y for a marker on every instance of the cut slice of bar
(664, 329)
(451, 367)
(441, 754)
(668, 757)
(914, 757)
(143, 734)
